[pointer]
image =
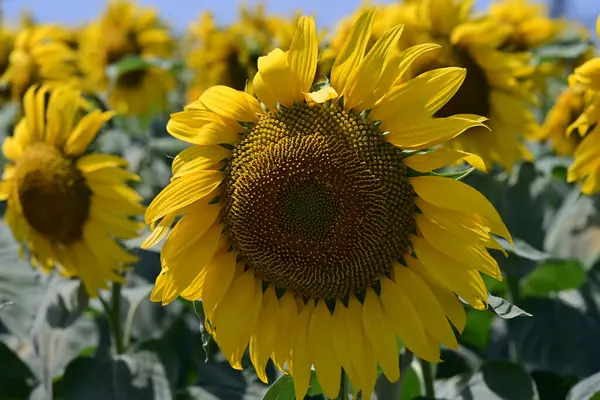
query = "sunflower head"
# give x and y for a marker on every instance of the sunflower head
(128, 32)
(64, 205)
(497, 84)
(311, 221)
(586, 166)
(568, 107)
(41, 55)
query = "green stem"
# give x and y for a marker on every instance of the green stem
(427, 378)
(113, 313)
(343, 394)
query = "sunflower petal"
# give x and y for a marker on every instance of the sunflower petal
(426, 162)
(231, 103)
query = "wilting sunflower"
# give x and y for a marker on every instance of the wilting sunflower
(310, 226)
(530, 22)
(497, 84)
(126, 31)
(40, 55)
(227, 55)
(66, 206)
(568, 107)
(586, 166)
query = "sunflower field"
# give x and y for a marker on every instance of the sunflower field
(405, 205)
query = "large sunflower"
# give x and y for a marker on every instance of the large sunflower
(128, 31)
(40, 55)
(496, 85)
(586, 166)
(66, 206)
(227, 55)
(310, 226)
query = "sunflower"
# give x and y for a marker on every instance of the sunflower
(586, 166)
(40, 55)
(66, 206)
(227, 55)
(569, 105)
(530, 22)
(497, 84)
(124, 33)
(310, 225)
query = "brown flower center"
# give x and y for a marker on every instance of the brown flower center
(316, 202)
(53, 194)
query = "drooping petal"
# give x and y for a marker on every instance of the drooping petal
(455, 195)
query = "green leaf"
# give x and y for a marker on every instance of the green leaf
(282, 389)
(314, 388)
(495, 380)
(15, 376)
(560, 337)
(587, 389)
(504, 309)
(411, 385)
(553, 276)
(478, 329)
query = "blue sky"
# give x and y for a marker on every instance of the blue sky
(180, 12)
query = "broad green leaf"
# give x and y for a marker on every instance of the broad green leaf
(559, 337)
(553, 276)
(587, 389)
(282, 389)
(314, 388)
(495, 380)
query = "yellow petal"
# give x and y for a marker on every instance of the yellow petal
(11, 148)
(93, 162)
(182, 192)
(429, 132)
(320, 341)
(362, 356)
(352, 51)
(467, 253)
(363, 87)
(343, 345)
(275, 83)
(455, 195)
(85, 131)
(466, 283)
(202, 127)
(159, 232)
(233, 315)
(219, 275)
(197, 158)
(431, 313)
(452, 306)
(282, 345)
(261, 340)
(426, 162)
(231, 103)
(321, 95)
(300, 361)
(381, 336)
(404, 319)
(303, 52)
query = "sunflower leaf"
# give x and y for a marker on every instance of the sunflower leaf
(282, 389)
(553, 276)
(588, 388)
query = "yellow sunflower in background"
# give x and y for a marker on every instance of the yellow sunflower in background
(586, 166)
(7, 41)
(307, 228)
(40, 55)
(530, 22)
(66, 206)
(569, 105)
(227, 55)
(128, 31)
(496, 85)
